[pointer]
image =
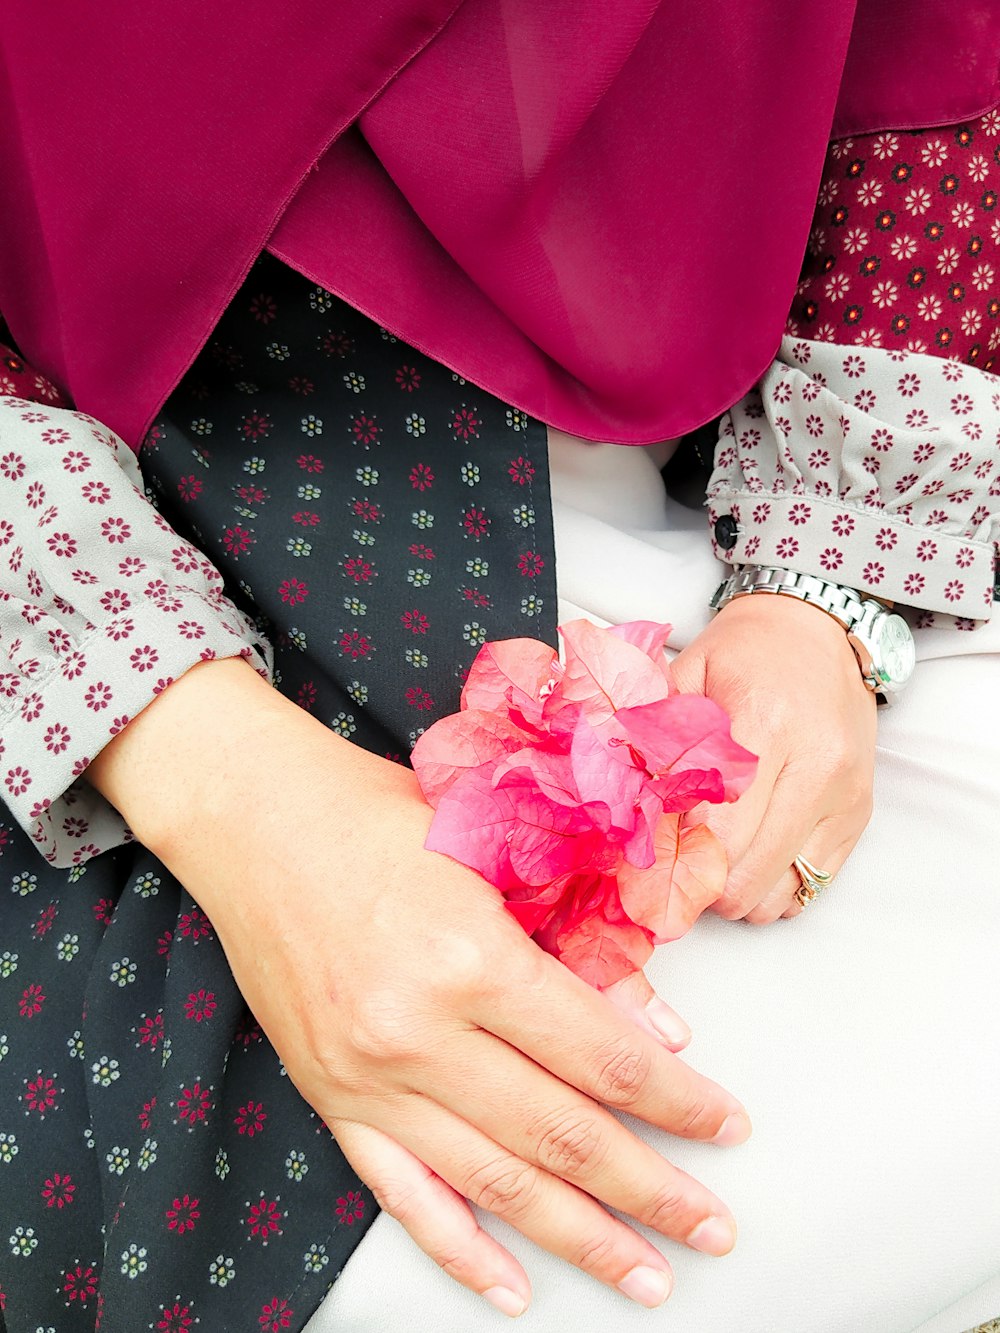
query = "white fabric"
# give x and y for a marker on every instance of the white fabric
(861, 1035)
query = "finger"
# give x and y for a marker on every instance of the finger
(539, 1007)
(561, 1219)
(824, 852)
(737, 826)
(436, 1216)
(792, 826)
(635, 997)
(527, 1111)
(784, 829)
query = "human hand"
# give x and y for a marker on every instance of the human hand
(451, 1057)
(789, 679)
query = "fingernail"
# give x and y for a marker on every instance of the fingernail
(506, 1301)
(669, 1025)
(736, 1128)
(713, 1235)
(647, 1286)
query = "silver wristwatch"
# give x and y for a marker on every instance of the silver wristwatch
(881, 640)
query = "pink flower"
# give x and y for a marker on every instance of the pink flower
(421, 477)
(31, 1001)
(199, 1005)
(567, 786)
(465, 423)
(80, 1283)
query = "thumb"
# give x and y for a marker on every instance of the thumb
(635, 997)
(687, 672)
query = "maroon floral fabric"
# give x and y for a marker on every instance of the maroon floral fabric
(905, 247)
(22, 381)
(379, 519)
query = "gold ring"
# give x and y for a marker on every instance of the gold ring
(814, 881)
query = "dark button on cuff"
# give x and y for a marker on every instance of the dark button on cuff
(726, 531)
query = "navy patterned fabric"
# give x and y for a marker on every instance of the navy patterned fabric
(382, 518)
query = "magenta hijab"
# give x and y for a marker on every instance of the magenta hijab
(596, 211)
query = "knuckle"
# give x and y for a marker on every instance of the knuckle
(839, 754)
(667, 1212)
(595, 1254)
(459, 964)
(508, 1187)
(735, 904)
(693, 1119)
(395, 1197)
(568, 1143)
(863, 803)
(622, 1073)
(453, 1262)
(383, 1029)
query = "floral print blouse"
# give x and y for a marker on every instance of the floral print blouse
(877, 463)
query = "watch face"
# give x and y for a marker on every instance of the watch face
(895, 655)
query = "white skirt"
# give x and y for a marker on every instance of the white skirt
(861, 1035)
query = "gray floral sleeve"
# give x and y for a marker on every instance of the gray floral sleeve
(877, 468)
(102, 606)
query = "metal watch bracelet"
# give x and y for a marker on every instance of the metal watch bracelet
(843, 603)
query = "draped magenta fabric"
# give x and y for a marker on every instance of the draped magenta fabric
(595, 211)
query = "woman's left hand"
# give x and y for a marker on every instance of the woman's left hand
(789, 679)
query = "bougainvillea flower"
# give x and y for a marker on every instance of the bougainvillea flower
(464, 741)
(603, 672)
(511, 674)
(569, 786)
(687, 876)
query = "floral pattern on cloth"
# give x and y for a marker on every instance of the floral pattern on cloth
(904, 251)
(878, 469)
(381, 517)
(101, 607)
(19, 380)
(375, 519)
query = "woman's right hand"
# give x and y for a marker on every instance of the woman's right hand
(449, 1055)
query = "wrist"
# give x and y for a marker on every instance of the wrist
(880, 641)
(221, 769)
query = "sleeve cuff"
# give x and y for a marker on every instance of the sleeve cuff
(88, 696)
(865, 548)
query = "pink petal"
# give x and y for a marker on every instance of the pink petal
(650, 636)
(534, 908)
(459, 742)
(551, 769)
(598, 942)
(603, 673)
(605, 773)
(547, 838)
(471, 825)
(688, 731)
(684, 790)
(510, 672)
(688, 875)
(640, 850)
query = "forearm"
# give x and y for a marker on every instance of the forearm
(217, 770)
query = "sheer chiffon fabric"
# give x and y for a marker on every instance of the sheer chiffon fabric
(861, 1035)
(562, 181)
